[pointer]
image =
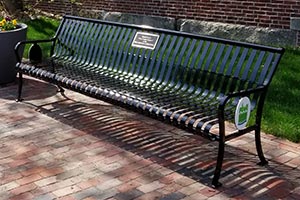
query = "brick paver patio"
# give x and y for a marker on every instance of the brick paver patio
(75, 147)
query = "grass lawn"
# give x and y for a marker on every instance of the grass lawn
(42, 28)
(282, 110)
(281, 115)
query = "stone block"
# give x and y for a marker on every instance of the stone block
(252, 34)
(295, 23)
(154, 21)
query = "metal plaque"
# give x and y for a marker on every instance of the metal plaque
(145, 40)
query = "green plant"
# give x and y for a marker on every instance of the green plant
(7, 24)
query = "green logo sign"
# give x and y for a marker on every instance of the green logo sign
(242, 113)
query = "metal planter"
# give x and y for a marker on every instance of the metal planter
(8, 40)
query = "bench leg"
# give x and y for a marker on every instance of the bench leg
(20, 86)
(217, 173)
(259, 149)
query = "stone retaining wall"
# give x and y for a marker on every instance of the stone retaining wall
(268, 36)
(261, 21)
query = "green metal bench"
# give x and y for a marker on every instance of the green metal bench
(191, 81)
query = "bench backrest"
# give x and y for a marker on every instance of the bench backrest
(177, 58)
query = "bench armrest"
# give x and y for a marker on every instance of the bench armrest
(226, 98)
(248, 92)
(24, 42)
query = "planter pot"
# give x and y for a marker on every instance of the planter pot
(8, 60)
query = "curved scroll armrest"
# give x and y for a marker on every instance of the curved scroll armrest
(24, 42)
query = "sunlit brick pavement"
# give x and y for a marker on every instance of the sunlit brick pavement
(75, 147)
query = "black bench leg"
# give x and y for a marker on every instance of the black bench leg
(217, 173)
(259, 150)
(20, 86)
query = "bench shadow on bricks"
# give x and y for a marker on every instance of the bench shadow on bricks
(172, 148)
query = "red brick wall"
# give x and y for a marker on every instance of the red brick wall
(261, 13)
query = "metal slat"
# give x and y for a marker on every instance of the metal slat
(148, 69)
(121, 51)
(241, 61)
(88, 44)
(134, 68)
(103, 44)
(249, 64)
(235, 79)
(78, 42)
(116, 50)
(128, 60)
(61, 37)
(265, 68)
(233, 60)
(99, 34)
(107, 44)
(272, 69)
(163, 60)
(213, 78)
(65, 45)
(92, 45)
(82, 47)
(177, 60)
(127, 53)
(170, 61)
(257, 66)
(139, 61)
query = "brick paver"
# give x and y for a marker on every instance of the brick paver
(76, 147)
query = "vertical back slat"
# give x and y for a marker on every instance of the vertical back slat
(272, 69)
(241, 62)
(69, 37)
(162, 67)
(89, 46)
(198, 69)
(236, 53)
(141, 60)
(65, 27)
(99, 36)
(102, 41)
(114, 50)
(265, 68)
(257, 66)
(128, 53)
(106, 45)
(148, 66)
(158, 61)
(84, 47)
(93, 46)
(76, 47)
(117, 64)
(225, 59)
(176, 55)
(186, 67)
